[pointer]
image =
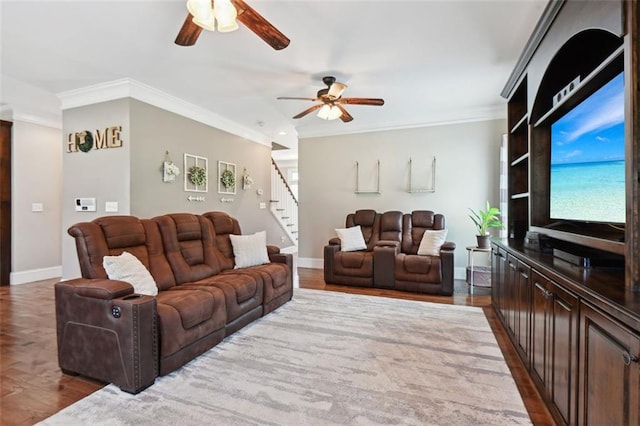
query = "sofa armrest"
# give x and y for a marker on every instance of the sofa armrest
(272, 250)
(330, 251)
(97, 288)
(448, 245)
(447, 261)
(335, 241)
(384, 263)
(286, 258)
(107, 332)
(388, 243)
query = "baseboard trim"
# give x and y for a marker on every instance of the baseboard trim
(310, 262)
(291, 249)
(32, 275)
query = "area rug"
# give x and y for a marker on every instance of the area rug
(330, 358)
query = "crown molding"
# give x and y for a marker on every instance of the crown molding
(128, 88)
(12, 114)
(468, 116)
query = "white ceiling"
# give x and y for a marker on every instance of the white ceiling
(431, 61)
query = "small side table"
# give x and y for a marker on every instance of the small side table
(471, 250)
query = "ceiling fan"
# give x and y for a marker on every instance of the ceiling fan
(331, 102)
(205, 14)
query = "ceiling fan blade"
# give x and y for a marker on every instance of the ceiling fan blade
(362, 101)
(189, 32)
(308, 110)
(260, 26)
(345, 117)
(298, 99)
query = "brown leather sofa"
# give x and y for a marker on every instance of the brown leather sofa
(391, 260)
(107, 332)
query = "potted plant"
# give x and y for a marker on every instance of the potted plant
(485, 219)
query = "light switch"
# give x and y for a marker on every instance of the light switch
(263, 205)
(111, 206)
(37, 207)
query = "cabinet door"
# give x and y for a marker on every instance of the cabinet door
(541, 315)
(563, 355)
(554, 344)
(523, 310)
(498, 260)
(609, 373)
(510, 292)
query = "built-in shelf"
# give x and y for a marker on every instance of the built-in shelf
(520, 123)
(377, 190)
(520, 159)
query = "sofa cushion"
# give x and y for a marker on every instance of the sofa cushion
(127, 267)
(188, 315)
(351, 239)
(431, 242)
(427, 269)
(250, 250)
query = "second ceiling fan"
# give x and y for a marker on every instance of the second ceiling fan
(331, 101)
(205, 14)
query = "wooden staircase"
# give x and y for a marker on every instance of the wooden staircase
(284, 205)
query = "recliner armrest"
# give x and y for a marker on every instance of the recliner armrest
(98, 288)
(272, 250)
(335, 241)
(388, 243)
(448, 245)
(286, 258)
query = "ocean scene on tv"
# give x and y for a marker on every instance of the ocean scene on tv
(587, 159)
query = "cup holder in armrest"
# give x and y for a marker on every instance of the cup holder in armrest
(132, 296)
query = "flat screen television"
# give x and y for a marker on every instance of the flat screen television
(587, 175)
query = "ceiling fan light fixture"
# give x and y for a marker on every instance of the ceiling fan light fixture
(209, 24)
(336, 89)
(329, 112)
(199, 9)
(226, 15)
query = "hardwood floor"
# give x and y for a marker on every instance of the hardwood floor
(32, 387)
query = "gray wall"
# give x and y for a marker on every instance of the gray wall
(102, 174)
(132, 175)
(467, 175)
(37, 178)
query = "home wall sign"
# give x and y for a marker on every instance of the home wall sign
(86, 140)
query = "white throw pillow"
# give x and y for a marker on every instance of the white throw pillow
(127, 267)
(431, 242)
(351, 239)
(250, 250)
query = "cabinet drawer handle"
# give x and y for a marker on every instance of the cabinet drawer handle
(628, 358)
(548, 294)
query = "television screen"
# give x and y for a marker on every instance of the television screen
(587, 158)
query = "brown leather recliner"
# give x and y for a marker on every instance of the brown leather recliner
(394, 261)
(420, 273)
(92, 315)
(108, 332)
(353, 267)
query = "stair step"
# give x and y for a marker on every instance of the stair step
(289, 224)
(286, 217)
(279, 210)
(294, 232)
(274, 201)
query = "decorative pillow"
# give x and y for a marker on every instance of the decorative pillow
(431, 242)
(250, 250)
(351, 239)
(127, 267)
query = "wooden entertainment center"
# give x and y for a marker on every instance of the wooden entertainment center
(576, 329)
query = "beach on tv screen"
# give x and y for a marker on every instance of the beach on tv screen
(587, 159)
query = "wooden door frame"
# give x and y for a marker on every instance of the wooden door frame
(5, 202)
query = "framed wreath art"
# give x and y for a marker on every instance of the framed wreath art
(227, 178)
(196, 170)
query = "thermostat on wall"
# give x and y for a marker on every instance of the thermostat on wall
(85, 204)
